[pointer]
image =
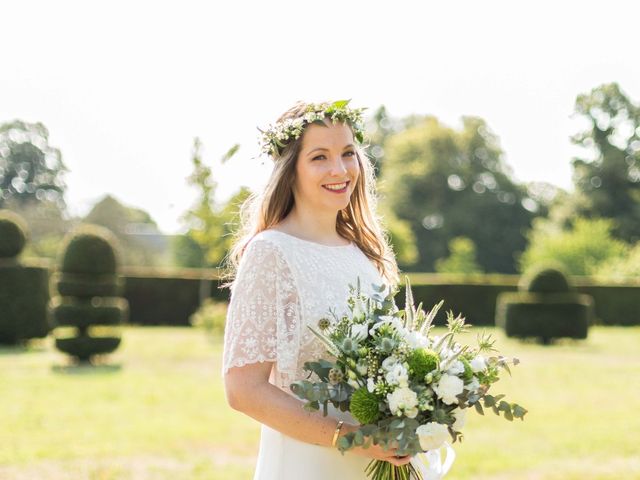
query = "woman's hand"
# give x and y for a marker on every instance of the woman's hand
(376, 452)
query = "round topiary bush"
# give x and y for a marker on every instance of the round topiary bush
(13, 234)
(89, 249)
(545, 279)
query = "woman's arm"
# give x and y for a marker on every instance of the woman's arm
(248, 391)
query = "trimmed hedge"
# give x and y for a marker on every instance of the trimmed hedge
(24, 291)
(546, 316)
(24, 296)
(168, 297)
(171, 296)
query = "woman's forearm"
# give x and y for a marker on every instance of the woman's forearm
(271, 406)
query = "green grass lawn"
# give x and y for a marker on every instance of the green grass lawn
(156, 410)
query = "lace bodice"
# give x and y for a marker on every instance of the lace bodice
(283, 284)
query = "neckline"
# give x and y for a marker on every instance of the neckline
(350, 244)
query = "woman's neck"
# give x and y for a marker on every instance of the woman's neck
(311, 225)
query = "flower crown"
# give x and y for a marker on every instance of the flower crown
(276, 137)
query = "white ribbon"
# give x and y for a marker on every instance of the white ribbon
(430, 463)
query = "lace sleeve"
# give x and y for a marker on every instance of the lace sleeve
(263, 316)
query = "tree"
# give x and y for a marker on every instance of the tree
(30, 168)
(609, 182)
(462, 258)
(449, 183)
(584, 249)
(211, 226)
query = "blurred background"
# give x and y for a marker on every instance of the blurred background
(505, 136)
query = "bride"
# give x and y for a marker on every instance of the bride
(311, 233)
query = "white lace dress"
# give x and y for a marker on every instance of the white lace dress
(282, 285)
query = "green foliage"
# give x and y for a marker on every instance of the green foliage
(24, 293)
(24, 287)
(85, 324)
(462, 257)
(186, 252)
(47, 224)
(449, 183)
(509, 410)
(546, 307)
(210, 226)
(607, 179)
(421, 362)
(211, 316)
(364, 406)
(545, 317)
(544, 279)
(89, 249)
(582, 250)
(13, 234)
(402, 239)
(32, 170)
(624, 268)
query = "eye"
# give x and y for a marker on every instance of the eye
(317, 157)
(350, 153)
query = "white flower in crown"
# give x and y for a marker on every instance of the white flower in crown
(276, 137)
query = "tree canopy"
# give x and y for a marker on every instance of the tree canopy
(449, 183)
(30, 168)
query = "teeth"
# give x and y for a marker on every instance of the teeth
(337, 186)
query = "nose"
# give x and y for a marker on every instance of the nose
(338, 168)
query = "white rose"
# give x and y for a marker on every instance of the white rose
(360, 331)
(460, 416)
(448, 387)
(456, 368)
(478, 364)
(402, 399)
(432, 435)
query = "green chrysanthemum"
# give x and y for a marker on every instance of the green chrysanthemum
(364, 406)
(422, 361)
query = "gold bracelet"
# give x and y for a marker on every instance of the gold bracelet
(336, 433)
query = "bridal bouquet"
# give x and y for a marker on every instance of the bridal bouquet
(407, 388)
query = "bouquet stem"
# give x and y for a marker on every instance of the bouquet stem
(381, 470)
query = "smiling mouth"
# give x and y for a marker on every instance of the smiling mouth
(337, 187)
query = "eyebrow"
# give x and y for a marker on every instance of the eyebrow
(326, 149)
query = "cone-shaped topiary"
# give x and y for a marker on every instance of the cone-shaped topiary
(24, 288)
(88, 310)
(546, 307)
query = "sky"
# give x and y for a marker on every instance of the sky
(124, 86)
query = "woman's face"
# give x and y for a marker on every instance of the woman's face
(327, 167)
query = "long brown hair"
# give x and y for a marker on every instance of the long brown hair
(358, 222)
